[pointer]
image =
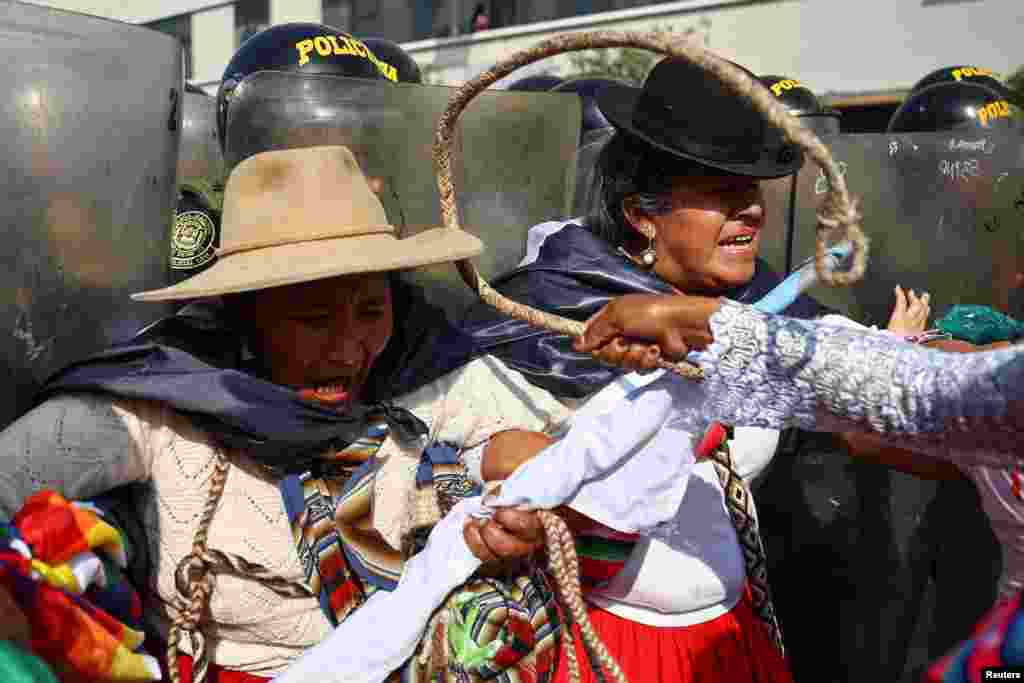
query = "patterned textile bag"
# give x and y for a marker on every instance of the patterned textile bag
(491, 629)
(502, 629)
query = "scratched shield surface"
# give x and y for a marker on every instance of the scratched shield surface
(199, 156)
(90, 123)
(901, 568)
(515, 163)
(933, 213)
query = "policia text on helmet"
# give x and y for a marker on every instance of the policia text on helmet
(309, 48)
(299, 47)
(956, 98)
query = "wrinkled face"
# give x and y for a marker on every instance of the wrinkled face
(321, 337)
(708, 242)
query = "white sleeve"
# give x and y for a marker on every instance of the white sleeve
(772, 371)
(625, 460)
(80, 446)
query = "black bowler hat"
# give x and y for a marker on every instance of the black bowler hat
(689, 113)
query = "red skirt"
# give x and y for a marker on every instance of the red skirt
(215, 673)
(733, 648)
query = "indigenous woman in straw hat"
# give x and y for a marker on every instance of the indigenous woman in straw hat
(309, 372)
(678, 209)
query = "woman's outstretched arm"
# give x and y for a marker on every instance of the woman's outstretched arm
(771, 371)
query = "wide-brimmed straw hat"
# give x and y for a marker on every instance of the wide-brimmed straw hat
(688, 113)
(305, 214)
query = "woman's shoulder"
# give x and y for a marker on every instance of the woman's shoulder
(83, 417)
(79, 444)
(86, 411)
(484, 395)
(482, 374)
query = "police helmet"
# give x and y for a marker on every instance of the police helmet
(796, 96)
(310, 48)
(538, 83)
(801, 102)
(390, 53)
(953, 105)
(964, 74)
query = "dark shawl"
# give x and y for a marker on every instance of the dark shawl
(574, 275)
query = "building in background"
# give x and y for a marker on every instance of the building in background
(861, 56)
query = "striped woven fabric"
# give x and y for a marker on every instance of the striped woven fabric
(326, 510)
(998, 641)
(602, 554)
(330, 514)
(501, 630)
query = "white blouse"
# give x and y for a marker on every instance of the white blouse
(690, 570)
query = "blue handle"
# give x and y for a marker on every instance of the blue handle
(800, 280)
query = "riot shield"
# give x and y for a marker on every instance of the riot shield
(776, 234)
(586, 161)
(199, 156)
(923, 196)
(901, 568)
(90, 128)
(515, 163)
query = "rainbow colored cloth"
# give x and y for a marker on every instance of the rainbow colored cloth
(62, 563)
(998, 641)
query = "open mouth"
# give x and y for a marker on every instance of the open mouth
(737, 241)
(333, 391)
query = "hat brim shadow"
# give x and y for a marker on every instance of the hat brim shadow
(290, 264)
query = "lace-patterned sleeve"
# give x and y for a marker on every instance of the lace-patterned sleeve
(773, 371)
(80, 446)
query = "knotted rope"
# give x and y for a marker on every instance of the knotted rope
(838, 218)
(193, 579)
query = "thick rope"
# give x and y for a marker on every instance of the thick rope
(199, 586)
(564, 564)
(838, 217)
(194, 580)
(218, 562)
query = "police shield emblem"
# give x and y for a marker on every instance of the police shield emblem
(192, 240)
(195, 235)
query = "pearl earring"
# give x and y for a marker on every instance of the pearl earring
(649, 255)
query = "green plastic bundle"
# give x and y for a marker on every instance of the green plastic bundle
(19, 666)
(980, 325)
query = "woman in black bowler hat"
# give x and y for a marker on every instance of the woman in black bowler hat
(677, 208)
